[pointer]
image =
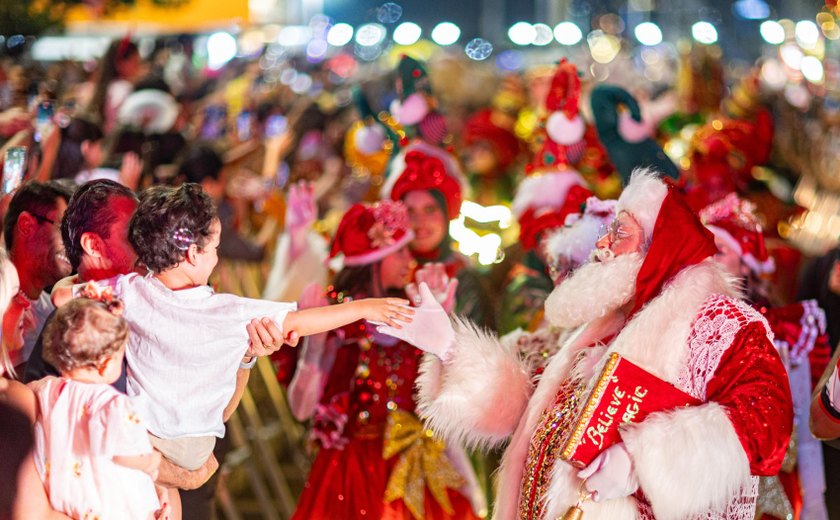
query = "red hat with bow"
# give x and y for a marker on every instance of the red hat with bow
(369, 233)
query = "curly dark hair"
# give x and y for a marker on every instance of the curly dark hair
(83, 333)
(163, 212)
(90, 211)
(36, 198)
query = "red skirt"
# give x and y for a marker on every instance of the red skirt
(350, 484)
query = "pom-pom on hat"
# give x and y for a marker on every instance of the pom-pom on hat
(369, 233)
(734, 221)
(422, 166)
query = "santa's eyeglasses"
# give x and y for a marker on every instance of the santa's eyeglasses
(614, 232)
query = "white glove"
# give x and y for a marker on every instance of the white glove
(610, 475)
(430, 330)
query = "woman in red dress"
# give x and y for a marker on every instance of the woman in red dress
(375, 458)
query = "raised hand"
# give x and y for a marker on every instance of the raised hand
(130, 170)
(441, 286)
(301, 211)
(430, 330)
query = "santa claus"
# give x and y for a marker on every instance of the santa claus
(656, 297)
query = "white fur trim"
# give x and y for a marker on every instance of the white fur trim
(593, 291)
(483, 390)
(689, 461)
(546, 190)
(643, 198)
(397, 167)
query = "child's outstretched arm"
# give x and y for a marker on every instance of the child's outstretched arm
(306, 322)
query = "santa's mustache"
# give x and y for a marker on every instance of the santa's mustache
(593, 290)
(601, 255)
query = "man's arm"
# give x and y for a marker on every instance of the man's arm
(173, 476)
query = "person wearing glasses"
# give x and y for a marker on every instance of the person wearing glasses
(32, 234)
(656, 297)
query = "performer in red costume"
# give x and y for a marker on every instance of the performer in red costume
(801, 339)
(375, 459)
(658, 299)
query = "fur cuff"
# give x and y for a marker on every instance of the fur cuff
(483, 390)
(689, 461)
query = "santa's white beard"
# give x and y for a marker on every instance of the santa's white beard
(593, 291)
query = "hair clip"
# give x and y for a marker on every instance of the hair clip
(183, 238)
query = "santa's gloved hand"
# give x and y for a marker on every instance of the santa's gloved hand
(430, 330)
(610, 475)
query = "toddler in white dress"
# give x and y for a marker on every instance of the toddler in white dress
(91, 449)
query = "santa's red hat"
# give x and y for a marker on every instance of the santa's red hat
(421, 166)
(369, 233)
(675, 237)
(734, 221)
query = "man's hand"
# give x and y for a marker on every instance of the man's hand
(266, 337)
(130, 171)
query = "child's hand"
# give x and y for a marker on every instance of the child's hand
(151, 464)
(94, 291)
(389, 311)
(165, 511)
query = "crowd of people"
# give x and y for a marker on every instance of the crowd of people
(638, 349)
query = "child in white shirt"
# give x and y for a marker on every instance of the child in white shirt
(187, 342)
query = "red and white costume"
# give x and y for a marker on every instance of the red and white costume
(688, 327)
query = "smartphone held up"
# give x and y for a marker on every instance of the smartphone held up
(14, 168)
